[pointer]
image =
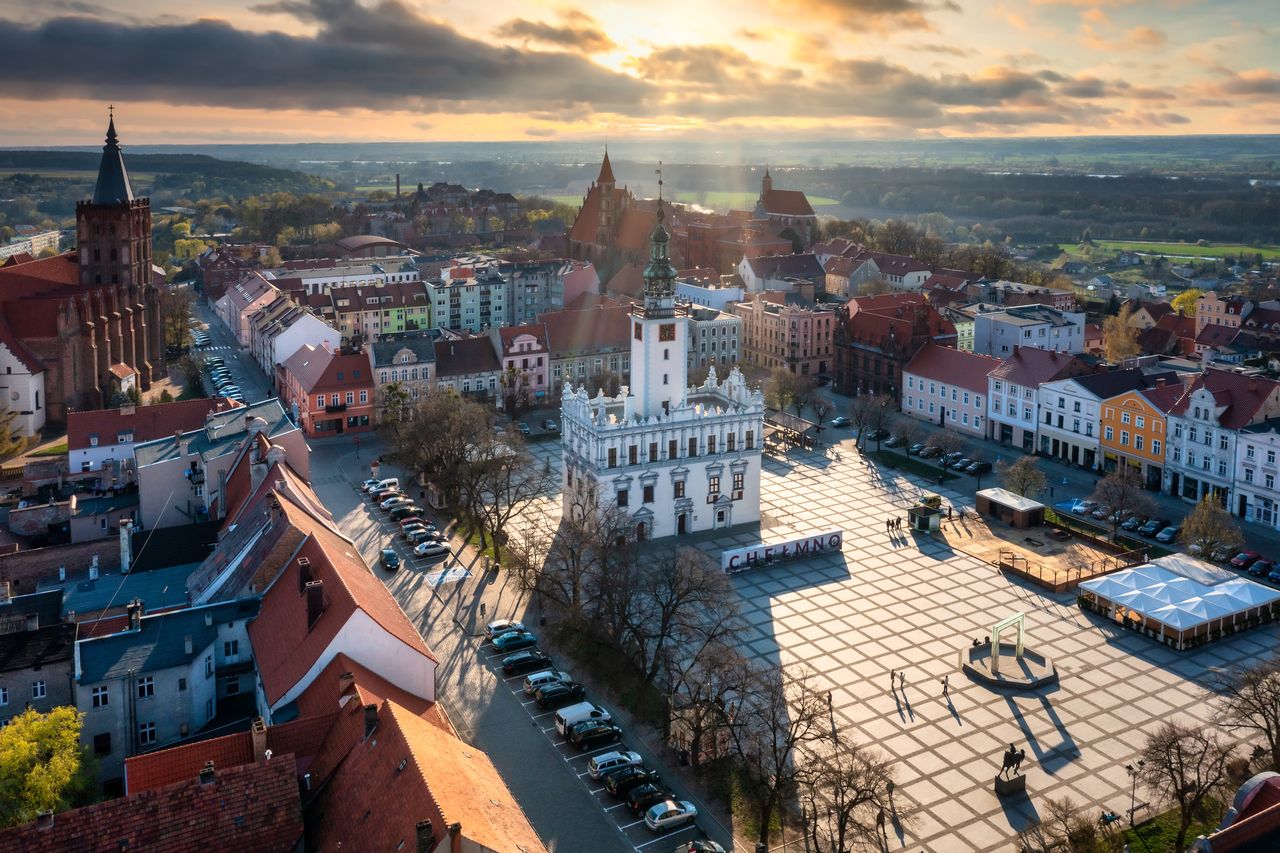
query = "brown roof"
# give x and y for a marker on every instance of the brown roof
(787, 203)
(1242, 396)
(1029, 367)
(627, 282)
(1157, 341)
(1216, 335)
(1164, 397)
(508, 334)
(578, 332)
(330, 691)
(889, 304)
(145, 422)
(1183, 327)
(466, 357)
(636, 226)
(413, 771)
(587, 300)
(250, 807)
(317, 368)
(953, 366)
(606, 170)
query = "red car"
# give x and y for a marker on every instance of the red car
(413, 519)
(1245, 559)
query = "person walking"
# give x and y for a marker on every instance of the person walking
(946, 686)
(902, 679)
(892, 673)
(880, 830)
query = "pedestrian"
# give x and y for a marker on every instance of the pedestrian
(892, 673)
(902, 679)
(946, 685)
(887, 526)
(828, 698)
(948, 512)
(880, 824)
(482, 610)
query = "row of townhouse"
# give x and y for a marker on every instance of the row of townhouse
(1215, 433)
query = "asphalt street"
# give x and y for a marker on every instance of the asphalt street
(244, 370)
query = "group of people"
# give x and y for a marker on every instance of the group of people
(892, 524)
(901, 676)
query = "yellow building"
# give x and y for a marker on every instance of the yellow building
(1133, 431)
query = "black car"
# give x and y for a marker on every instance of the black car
(1261, 568)
(961, 463)
(589, 734)
(646, 795)
(526, 660)
(1133, 522)
(915, 449)
(620, 782)
(390, 559)
(977, 468)
(406, 511)
(930, 451)
(877, 435)
(1153, 526)
(559, 694)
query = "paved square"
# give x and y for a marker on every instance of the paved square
(911, 603)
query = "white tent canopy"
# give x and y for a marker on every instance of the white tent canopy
(1183, 596)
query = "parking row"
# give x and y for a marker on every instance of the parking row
(590, 744)
(411, 538)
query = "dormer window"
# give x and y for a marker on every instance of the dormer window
(93, 440)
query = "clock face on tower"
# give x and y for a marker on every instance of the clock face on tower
(667, 332)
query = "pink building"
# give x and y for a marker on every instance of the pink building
(946, 386)
(526, 363)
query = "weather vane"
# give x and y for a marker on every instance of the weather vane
(658, 172)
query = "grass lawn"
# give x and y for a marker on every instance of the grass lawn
(1158, 834)
(52, 450)
(574, 201)
(892, 459)
(722, 200)
(1190, 250)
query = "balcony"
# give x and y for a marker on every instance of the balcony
(340, 407)
(196, 476)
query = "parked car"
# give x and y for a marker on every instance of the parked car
(1274, 575)
(915, 449)
(1133, 522)
(840, 421)
(395, 501)
(977, 468)
(408, 531)
(1084, 507)
(1261, 568)
(389, 559)
(672, 814)
(368, 484)
(550, 425)
(644, 796)
(1153, 526)
(522, 427)
(1167, 535)
(590, 734)
(1101, 512)
(930, 451)
(429, 534)
(703, 845)
(606, 761)
(379, 495)
(961, 463)
(412, 520)
(624, 780)
(877, 435)
(558, 694)
(893, 441)
(524, 661)
(404, 511)
(1245, 559)
(1223, 553)
(430, 548)
(513, 640)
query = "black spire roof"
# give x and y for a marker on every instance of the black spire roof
(113, 181)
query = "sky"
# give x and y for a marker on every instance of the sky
(211, 71)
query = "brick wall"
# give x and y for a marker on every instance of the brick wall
(38, 520)
(25, 568)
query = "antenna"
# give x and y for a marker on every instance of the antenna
(658, 172)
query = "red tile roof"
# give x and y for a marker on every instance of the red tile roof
(636, 226)
(251, 807)
(287, 648)
(19, 348)
(787, 203)
(411, 771)
(318, 369)
(953, 366)
(1245, 398)
(1216, 335)
(606, 171)
(627, 282)
(508, 334)
(1029, 367)
(328, 693)
(145, 422)
(1183, 327)
(588, 301)
(889, 304)
(1165, 397)
(579, 332)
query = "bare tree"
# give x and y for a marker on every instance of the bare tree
(589, 541)
(1250, 700)
(706, 693)
(1123, 493)
(440, 439)
(508, 481)
(1022, 477)
(847, 787)
(947, 441)
(803, 388)
(1185, 765)
(909, 430)
(1208, 527)
(822, 407)
(780, 389)
(1066, 827)
(871, 414)
(782, 712)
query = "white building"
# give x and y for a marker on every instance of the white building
(716, 295)
(21, 384)
(1256, 471)
(948, 387)
(714, 338)
(676, 459)
(998, 332)
(1013, 399)
(1070, 410)
(470, 298)
(276, 337)
(352, 273)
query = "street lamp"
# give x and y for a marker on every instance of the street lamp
(1133, 792)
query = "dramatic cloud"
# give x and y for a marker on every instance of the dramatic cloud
(876, 14)
(577, 31)
(1256, 84)
(385, 55)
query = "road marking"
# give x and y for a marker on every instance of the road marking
(666, 835)
(629, 825)
(591, 752)
(611, 808)
(544, 714)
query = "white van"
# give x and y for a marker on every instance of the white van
(389, 483)
(535, 680)
(567, 718)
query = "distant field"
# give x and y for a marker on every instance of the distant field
(1189, 250)
(75, 174)
(573, 201)
(712, 198)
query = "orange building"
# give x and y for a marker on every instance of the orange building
(1133, 431)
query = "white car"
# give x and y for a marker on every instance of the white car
(669, 815)
(612, 760)
(395, 501)
(502, 626)
(368, 485)
(430, 549)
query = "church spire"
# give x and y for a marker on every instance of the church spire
(606, 170)
(113, 180)
(659, 275)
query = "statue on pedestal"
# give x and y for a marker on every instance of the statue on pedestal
(1012, 762)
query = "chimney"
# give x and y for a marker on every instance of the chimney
(370, 719)
(259, 734)
(315, 602)
(126, 546)
(304, 574)
(425, 837)
(206, 773)
(344, 682)
(188, 645)
(33, 621)
(397, 186)
(455, 837)
(134, 611)
(44, 819)
(93, 568)
(208, 618)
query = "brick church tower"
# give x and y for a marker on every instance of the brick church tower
(113, 237)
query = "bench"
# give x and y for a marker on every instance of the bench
(1137, 807)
